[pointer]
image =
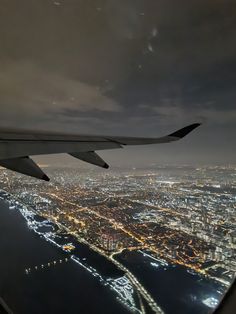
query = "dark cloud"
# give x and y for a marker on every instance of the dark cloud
(131, 67)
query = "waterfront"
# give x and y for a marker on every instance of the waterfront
(65, 288)
(173, 287)
(133, 242)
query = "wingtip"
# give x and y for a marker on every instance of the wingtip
(106, 166)
(184, 131)
(45, 178)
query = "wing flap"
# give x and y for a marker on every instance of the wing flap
(24, 165)
(92, 158)
(19, 148)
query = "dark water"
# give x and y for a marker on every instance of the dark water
(64, 288)
(104, 267)
(172, 287)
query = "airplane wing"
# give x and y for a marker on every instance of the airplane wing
(17, 146)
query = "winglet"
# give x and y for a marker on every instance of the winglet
(184, 131)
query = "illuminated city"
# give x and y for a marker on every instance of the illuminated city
(117, 157)
(168, 218)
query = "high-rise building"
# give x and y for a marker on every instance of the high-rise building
(109, 241)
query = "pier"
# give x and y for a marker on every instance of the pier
(45, 266)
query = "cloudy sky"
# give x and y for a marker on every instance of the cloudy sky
(123, 67)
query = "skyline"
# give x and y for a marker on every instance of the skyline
(134, 68)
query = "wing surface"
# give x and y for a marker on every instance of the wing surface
(16, 146)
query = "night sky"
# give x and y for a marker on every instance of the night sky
(123, 67)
